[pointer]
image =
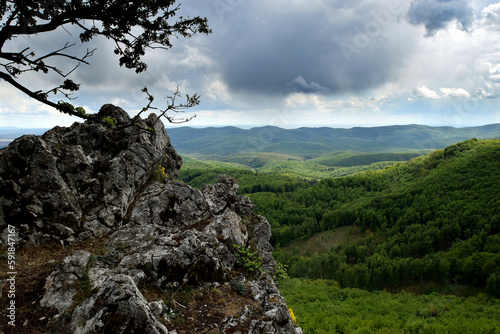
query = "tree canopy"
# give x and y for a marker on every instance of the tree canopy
(133, 27)
(435, 218)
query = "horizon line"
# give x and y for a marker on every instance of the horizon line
(248, 127)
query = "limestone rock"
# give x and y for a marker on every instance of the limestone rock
(117, 307)
(84, 177)
(270, 315)
(223, 194)
(61, 284)
(83, 182)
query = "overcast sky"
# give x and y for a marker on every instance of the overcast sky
(300, 63)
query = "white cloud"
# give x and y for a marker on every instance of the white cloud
(217, 90)
(424, 92)
(320, 103)
(122, 103)
(306, 101)
(486, 76)
(170, 86)
(458, 93)
(482, 93)
(454, 93)
(194, 58)
(491, 16)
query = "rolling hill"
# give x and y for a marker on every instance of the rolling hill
(308, 143)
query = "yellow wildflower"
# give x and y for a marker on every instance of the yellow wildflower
(160, 174)
(292, 315)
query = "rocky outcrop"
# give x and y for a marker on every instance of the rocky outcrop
(80, 181)
(162, 236)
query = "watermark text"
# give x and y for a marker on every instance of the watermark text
(11, 273)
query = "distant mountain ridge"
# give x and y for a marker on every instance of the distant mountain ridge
(314, 142)
(305, 142)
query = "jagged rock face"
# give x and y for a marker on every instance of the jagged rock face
(270, 315)
(174, 238)
(77, 183)
(80, 181)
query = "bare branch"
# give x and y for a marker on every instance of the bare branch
(171, 107)
(65, 47)
(192, 101)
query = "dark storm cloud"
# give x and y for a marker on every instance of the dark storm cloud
(264, 49)
(269, 48)
(299, 84)
(436, 14)
(310, 46)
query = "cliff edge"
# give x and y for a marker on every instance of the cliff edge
(105, 240)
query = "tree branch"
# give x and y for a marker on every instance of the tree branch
(40, 97)
(117, 19)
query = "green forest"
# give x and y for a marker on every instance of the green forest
(429, 226)
(322, 307)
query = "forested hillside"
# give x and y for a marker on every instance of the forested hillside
(322, 307)
(429, 226)
(307, 143)
(436, 217)
(254, 170)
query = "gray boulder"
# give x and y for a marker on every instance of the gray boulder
(117, 306)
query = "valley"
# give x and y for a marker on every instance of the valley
(380, 242)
